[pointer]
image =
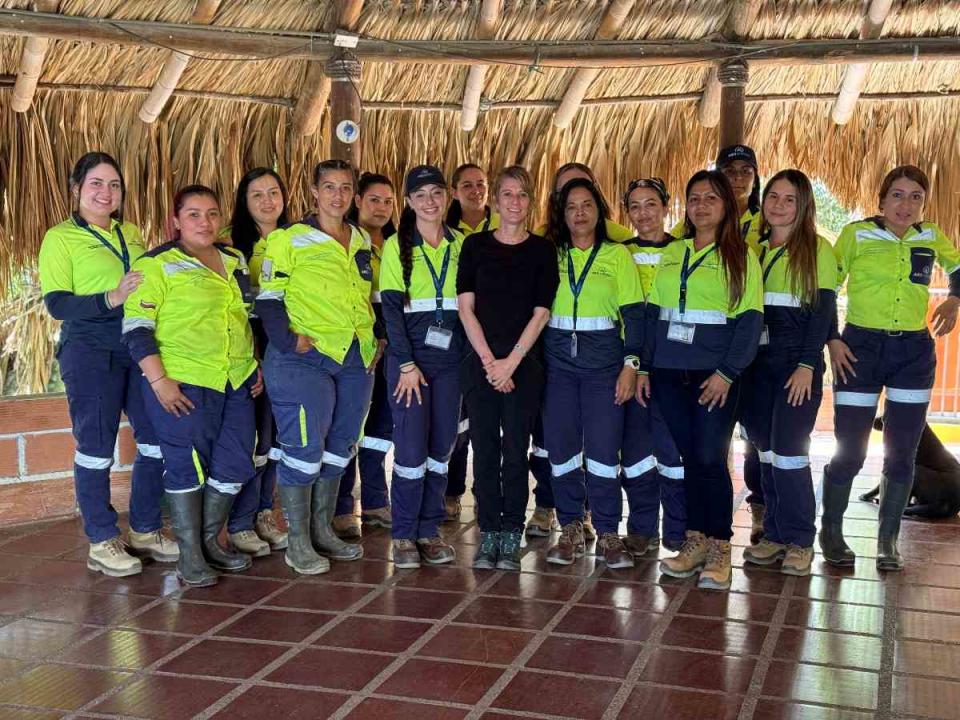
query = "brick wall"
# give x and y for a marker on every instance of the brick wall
(36, 460)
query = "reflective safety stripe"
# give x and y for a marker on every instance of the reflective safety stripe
(538, 451)
(781, 299)
(92, 463)
(410, 473)
(150, 451)
(375, 297)
(565, 322)
(303, 426)
(671, 471)
(330, 459)
(698, 317)
(275, 453)
(642, 258)
(270, 295)
(198, 466)
(790, 462)
(570, 465)
(307, 468)
(437, 467)
(856, 399)
(260, 460)
(135, 323)
(463, 426)
(224, 487)
(373, 443)
(875, 234)
(172, 268)
(181, 492)
(601, 470)
(766, 456)
(309, 238)
(429, 305)
(903, 395)
(638, 469)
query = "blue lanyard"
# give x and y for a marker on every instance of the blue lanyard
(685, 273)
(745, 229)
(123, 255)
(576, 285)
(438, 280)
(768, 268)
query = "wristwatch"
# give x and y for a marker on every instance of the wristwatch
(632, 362)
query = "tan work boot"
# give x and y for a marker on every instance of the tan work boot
(542, 522)
(111, 558)
(797, 561)
(452, 508)
(268, 530)
(154, 545)
(589, 531)
(717, 569)
(756, 522)
(346, 527)
(641, 544)
(765, 552)
(690, 559)
(247, 541)
(570, 546)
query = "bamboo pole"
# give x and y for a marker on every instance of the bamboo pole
(473, 90)
(742, 14)
(31, 64)
(855, 75)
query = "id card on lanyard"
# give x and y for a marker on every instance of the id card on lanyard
(680, 330)
(438, 336)
(576, 287)
(765, 333)
(123, 255)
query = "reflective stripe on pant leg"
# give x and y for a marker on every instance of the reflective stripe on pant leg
(225, 487)
(92, 463)
(373, 443)
(150, 451)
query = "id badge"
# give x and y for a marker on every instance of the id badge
(765, 336)
(681, 332)
(438, 337)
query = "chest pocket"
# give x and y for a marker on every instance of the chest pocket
(921, 265)
(364, 267)
(246, 289)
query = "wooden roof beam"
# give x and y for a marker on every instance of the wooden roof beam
(473, 90)
(174, 66)
(31, 63)
(613, 19)
(742, 14)
(316, 85)
(855, 76)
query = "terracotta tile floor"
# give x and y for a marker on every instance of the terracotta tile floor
(364, 641)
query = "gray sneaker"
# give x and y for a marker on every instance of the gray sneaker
(489, 551)
(510, 550)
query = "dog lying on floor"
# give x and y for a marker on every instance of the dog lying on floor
(936, 479)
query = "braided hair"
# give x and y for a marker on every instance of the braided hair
(405, 232)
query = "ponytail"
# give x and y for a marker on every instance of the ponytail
(405, 232)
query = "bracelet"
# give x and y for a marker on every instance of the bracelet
(106, 299)
(408, 369)
(519, 347)
(151, 382)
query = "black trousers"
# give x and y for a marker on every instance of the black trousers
(500, 427)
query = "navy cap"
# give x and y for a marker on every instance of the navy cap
(737, 152)
(423, 175)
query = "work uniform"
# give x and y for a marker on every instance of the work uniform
(691, 333)
(596, 325)
(652, 473)
(888, 281)
(310, 285)
(197, 321)
(79, 264)
(377, 438)
(425, 331)
(793, 337)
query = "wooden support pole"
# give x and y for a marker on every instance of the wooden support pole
(855, 75)
(31, 64)
(345, 106)
(473, 90)
(733, 78)
(741, 16)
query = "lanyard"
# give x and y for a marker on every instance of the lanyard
(685, 273)
(745, 229)
(576, 285)
(768, 268)
(438, 280)
(123, 255)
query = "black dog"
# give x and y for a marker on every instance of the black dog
(936, 479)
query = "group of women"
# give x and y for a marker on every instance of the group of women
(272, 353)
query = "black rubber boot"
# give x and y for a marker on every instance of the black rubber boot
(324, 539)
(893, 500)
(216, 508)
(834, 547)
(300, 554)
(186, 510)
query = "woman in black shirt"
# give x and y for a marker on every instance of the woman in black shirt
(506, 282)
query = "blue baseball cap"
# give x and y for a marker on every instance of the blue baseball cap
(423, 175)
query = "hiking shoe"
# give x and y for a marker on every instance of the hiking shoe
(570, 545)
(268, 530)
(110, 557)
(797, 561)
(154, 545)
(452, 508)
(377, 517)
(510, 550)
(435, 551)
(690, 559)
(673, 544)
(489, 551)
(405, 555)
(765, 552)
(716, 572)
(542, 522)
(589, 531)
(346, 527)
(247, 541)
(756, 522)
(614, 552)
(640, 544)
